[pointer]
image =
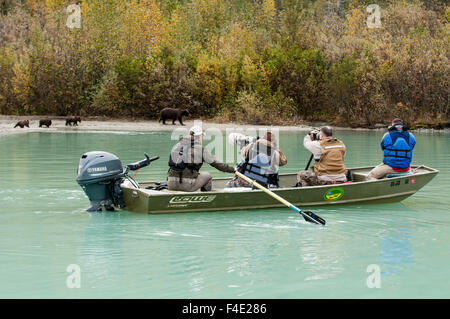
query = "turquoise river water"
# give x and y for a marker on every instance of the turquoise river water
(270, 253)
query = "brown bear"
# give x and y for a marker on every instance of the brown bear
(172, 114)
(45, 122)
(22, 124)
(73, 120)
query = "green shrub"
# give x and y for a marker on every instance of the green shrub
(273, 61)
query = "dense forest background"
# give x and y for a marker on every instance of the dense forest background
(263, 61)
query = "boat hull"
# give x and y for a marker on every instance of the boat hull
(358, 192)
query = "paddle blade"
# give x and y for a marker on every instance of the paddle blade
(320, 220)
(311, 217)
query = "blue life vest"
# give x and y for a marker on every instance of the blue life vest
(397, 147)
(260, 168)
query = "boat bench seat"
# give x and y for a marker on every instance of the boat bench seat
(398, 174)
(359, 176)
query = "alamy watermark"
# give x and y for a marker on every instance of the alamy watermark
(227, 145)
(374, 19)
(74, 18)
(374, 279)
(74, 279)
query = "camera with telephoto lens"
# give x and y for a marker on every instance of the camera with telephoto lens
(241, 140)
(315, 134)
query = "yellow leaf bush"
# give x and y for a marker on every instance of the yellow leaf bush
(278, 61)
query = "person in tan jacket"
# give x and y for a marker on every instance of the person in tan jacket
(329, 152)
(260, 163)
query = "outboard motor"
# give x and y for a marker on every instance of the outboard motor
(100, 175)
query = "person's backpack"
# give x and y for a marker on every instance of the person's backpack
(177, 160)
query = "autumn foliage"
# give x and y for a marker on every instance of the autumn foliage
(252, 61)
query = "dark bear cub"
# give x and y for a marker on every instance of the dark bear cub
(172, 114)
(23, 123)
(73, 120)
(45, 122)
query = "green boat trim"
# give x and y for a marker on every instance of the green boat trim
(359, 191)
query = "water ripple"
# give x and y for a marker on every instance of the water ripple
(270, 253)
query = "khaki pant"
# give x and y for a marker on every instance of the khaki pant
(380, 171)
(308, 178)
(203, 182)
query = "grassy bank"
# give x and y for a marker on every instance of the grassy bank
(258, 62)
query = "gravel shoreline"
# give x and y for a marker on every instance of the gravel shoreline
(7, 123)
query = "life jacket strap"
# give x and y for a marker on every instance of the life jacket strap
(397, 154)
(271, 178)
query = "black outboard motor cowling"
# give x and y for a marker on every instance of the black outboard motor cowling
(100, 175)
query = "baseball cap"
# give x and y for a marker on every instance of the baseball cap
(196, 130)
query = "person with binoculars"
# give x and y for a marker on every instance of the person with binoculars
(328, 153)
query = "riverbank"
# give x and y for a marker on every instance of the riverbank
(7, 123)
(107, 124)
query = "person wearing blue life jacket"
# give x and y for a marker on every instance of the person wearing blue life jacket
(260, 163)
(397, 146)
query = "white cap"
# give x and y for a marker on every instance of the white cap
(196, 130)
(233, 138)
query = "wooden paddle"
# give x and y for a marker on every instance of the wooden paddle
(307, 215)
